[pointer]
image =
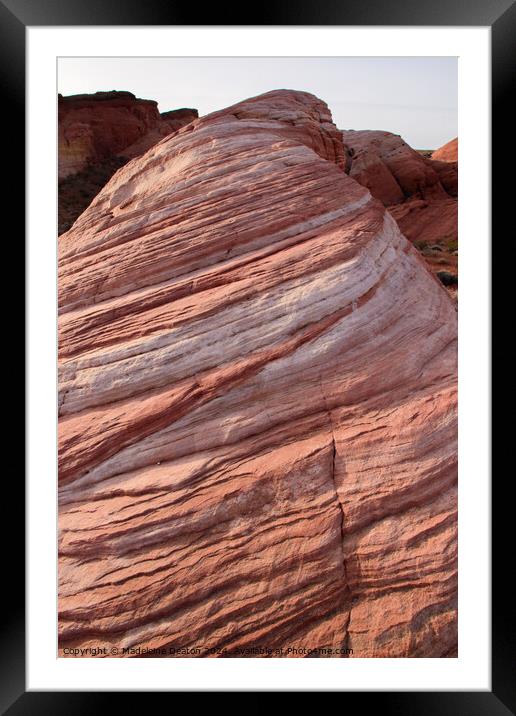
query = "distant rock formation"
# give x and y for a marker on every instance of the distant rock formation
(448, 152)
(389, 168)
(257, 398)
(98, 133)
(420, 193)
(96, 127)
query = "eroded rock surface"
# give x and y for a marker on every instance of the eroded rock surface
(257, 433)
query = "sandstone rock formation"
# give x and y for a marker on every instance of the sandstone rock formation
(98, 133)
(449, 152)
(419, 192)
(95, 127)
(257, 397)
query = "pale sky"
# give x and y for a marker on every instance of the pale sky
(415, 97)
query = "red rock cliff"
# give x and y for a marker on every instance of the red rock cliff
(94, 127)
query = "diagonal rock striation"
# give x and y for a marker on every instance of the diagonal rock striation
(257, 391)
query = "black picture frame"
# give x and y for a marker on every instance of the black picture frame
(500, 15)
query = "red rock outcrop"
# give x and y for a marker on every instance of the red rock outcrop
(257, 397)
(95, 127)
(390, 169)
(420, 193)
(449, 152)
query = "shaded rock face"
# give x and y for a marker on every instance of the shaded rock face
(449, 152)
(257, 432)
(98, 133)
(420, 193)
(77, 191)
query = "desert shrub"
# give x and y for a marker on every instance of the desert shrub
(447, 278)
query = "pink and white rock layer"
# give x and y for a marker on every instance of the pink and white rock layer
(257, 433)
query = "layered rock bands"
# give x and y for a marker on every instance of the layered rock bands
(257, 396)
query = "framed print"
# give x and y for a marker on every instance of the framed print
(264, 461)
